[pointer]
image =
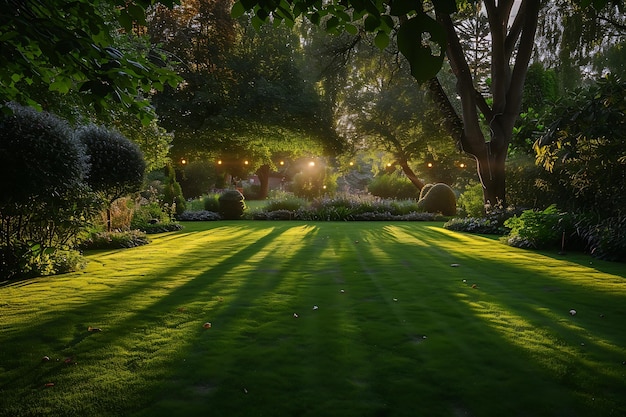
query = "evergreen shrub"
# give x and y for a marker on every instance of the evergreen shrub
(211, 202)
(44, 203)
(440, 198)
(232, 205)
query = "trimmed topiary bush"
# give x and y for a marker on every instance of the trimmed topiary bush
(425, 189)
(116, 165)
(44, 203)
(232, 205)
(439, 199)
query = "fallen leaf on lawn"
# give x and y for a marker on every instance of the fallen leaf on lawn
(94, 329)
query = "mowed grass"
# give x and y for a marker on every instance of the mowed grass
(393, 319)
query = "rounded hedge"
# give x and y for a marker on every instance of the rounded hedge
(232, 205)
(117, 165)
(40, 159)
(439, 198)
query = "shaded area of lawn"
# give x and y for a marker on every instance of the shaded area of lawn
(398, 330)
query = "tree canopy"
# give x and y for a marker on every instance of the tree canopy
(426, 34)
(63, 46)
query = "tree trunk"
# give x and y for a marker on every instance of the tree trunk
(264, 179)
(410, 174)
(507, 83)
(491, 172)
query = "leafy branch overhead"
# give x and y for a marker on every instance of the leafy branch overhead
(421, 39)
(68, 46)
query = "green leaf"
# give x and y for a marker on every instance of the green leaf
(137, 13)
(381, 40)
(425, 63)
(125, 20)
(315, 18)
(352, 30)
(371, 23)
(237, 10)
(62, 85)
(332, 23)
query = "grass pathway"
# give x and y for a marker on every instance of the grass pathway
(385, 326)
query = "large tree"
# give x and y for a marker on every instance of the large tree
(428, 32)
(245, 96)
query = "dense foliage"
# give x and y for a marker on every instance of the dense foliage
(43, 201)
(64, 46)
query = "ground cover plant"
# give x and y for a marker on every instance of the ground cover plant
(317, 319)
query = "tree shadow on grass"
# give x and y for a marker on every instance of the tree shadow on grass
(356, 355)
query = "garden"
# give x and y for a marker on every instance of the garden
(387, 208)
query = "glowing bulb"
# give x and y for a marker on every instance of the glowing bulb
(245, 162)
(219, 162)
(429, 165)
(312, 164)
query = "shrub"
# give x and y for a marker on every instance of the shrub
(479, 225)
(173, 193)
(151, 229)
(538, 229)
(275, 215)
(198, 216)
(150, 219)
(425, 189)
(395, 186)
(471, 201)
(289, 203)
(439, 199)
(44, 202)
(115, 240)
(146, 214)
(232, 205)
(211, 202)
(606, 239)
(40, 158)
(116, 165)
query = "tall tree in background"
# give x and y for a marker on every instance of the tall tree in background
(424, 33)
(245, 95)
(381, 106)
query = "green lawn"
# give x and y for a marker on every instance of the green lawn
(411, 320)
